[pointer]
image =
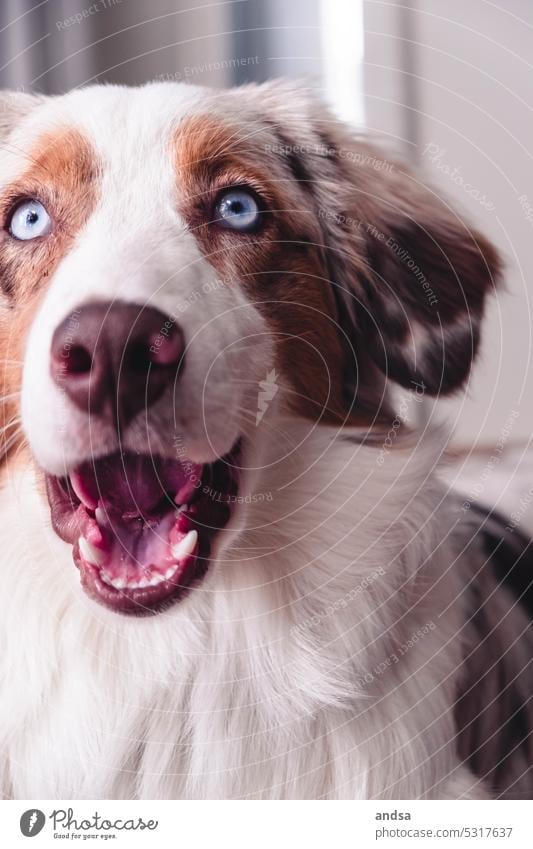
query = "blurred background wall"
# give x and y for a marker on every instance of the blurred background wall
(447, 82)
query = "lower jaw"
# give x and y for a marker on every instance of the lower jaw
(138, 602)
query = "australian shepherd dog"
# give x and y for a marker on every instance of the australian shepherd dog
(229, 566)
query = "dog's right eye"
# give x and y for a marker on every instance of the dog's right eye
(29, 220)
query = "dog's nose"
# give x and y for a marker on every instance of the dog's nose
(114, 359)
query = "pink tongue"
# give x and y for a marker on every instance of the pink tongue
(131, 483)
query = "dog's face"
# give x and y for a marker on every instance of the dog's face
(172, 260)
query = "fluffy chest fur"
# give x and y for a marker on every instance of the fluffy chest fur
(324, 667)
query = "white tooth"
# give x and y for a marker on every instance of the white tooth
(106, 578)
(157, 579)
(169, 572)
(183, 508)
(144, 582)
(100, 515)
(90, 553)
(186, 546)
(118, 583)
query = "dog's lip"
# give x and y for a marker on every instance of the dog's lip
(139, 601)
(140, 559)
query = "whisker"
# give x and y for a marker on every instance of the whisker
(10, 424)
(4, 448)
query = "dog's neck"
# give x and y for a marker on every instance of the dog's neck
(299, 606)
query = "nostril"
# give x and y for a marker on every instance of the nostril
(137, 358)
(70, 361)
(158, 351)
(79, 360)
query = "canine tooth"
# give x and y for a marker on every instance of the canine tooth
(183, 508)
(90, 553)
(100, 515)
(118, 583)
(186, 546)
(169, 572)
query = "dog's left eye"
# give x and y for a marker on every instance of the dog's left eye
(237, 209)
(29, 220)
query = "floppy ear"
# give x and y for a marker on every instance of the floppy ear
(411, 275)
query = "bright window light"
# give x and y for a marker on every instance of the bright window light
(343, 50)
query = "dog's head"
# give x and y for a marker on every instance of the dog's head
(179, 267)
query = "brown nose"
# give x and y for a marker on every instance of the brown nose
(114, 359)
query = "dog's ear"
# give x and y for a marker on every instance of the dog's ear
(421, 294)
(15, 105)
(410, 275)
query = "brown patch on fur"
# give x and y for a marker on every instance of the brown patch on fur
(349, 238)
(62, 175)
(281, 266)
(406, 263)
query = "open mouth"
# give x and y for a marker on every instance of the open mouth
(142, 526)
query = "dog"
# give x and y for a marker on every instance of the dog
(230, 568)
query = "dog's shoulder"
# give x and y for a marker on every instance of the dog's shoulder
(494, 708)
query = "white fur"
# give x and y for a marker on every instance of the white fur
(136, 248)
(267, 680)
(231, 693)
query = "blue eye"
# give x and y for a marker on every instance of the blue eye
(237, 209)
(29, 221)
